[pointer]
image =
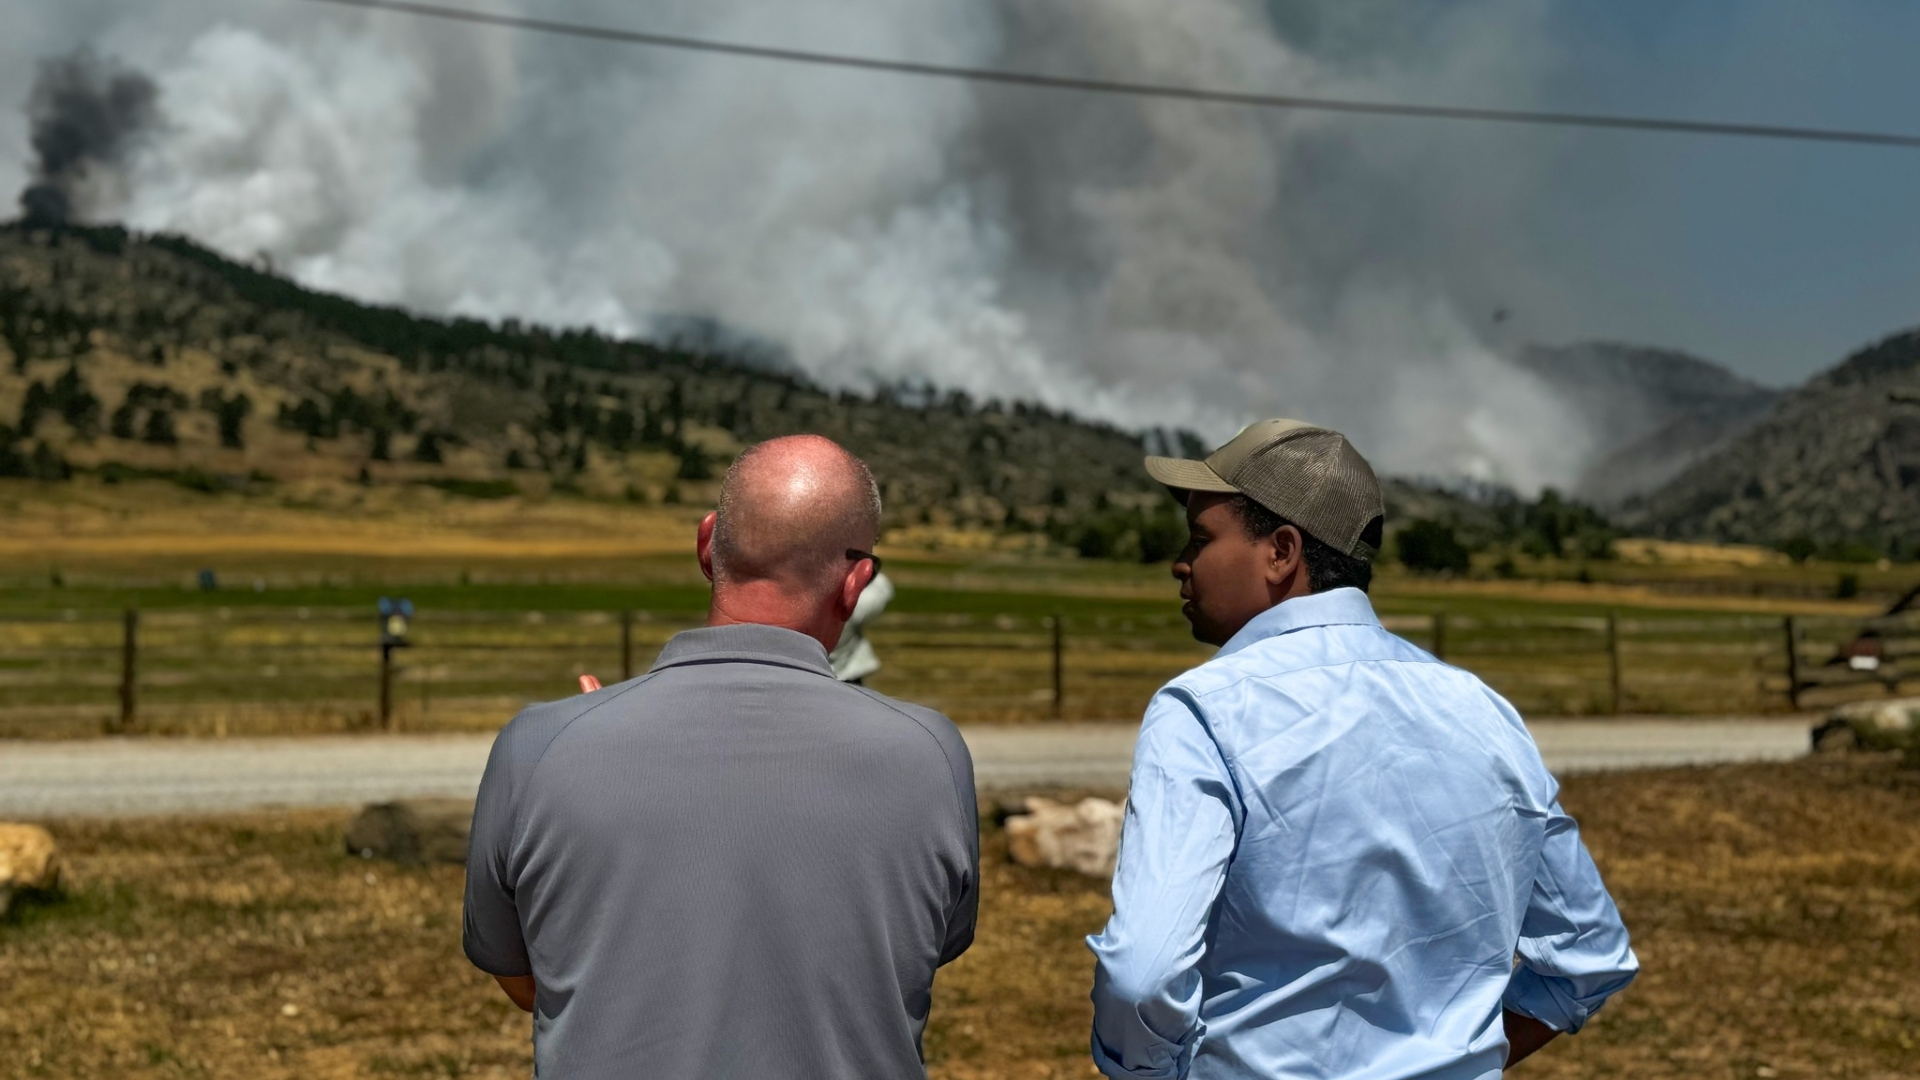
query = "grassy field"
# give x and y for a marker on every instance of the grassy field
(518, 597)
(1775, 909)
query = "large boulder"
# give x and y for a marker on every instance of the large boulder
(412, 831)
(1880, 725)
(1083, 837)
(29, 861)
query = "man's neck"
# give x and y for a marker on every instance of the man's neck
(1297, 589)
(765, 604)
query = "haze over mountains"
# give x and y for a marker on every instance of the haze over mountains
(129, 356)
(1651, 412)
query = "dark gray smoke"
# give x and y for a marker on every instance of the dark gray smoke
(87, 113)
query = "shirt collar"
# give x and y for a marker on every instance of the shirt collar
(744, 642)
(1335, 607)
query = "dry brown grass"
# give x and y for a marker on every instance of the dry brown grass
(1776, 910)
(88, 521)
(1675, 551)
(1397, 585)
(122, 528)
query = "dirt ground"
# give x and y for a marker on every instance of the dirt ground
(1775, 908)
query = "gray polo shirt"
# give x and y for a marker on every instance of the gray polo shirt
(733, 866)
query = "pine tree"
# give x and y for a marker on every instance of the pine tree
(38, 402)
(159, 429)
(232, 416)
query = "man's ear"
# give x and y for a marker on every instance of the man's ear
(1286, 556)
(851, 586)
(704, 543)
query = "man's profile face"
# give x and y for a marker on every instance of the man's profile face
(1223, 574)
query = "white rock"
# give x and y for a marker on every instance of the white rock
(1083, 837)
(28, 860)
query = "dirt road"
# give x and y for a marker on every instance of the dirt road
(119, 777)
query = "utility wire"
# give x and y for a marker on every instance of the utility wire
(1133, 89)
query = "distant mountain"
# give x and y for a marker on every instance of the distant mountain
(126, 357)
(1654, 411)
(1838, 462)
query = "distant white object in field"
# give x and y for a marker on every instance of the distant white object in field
(28, 860)
(1083, 837)
(854, 658)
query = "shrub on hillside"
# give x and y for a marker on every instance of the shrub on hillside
(1430, 547)
(1798, 548)
(475, 489)
(1162, 534)
(1557, 527)
(1127, 535)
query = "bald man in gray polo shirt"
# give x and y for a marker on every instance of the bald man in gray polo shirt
(734, 865)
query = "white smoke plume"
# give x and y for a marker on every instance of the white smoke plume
(1148, 262)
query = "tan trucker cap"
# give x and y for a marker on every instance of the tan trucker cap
(1309, 475)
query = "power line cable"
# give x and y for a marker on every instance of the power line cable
(1134, 89)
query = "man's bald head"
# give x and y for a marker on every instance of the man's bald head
(790, 509)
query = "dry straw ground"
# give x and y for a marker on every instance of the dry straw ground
(126, 525)
(1776, 910)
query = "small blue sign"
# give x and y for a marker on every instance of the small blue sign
(395, 619)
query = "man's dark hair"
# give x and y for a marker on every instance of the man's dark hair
(1327, 567)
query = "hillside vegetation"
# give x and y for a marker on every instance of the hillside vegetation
(1836, 469)
(125, 357)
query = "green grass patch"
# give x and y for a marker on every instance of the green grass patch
(112, 908)
(475, 489)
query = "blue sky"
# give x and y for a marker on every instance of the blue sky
(1774, 258)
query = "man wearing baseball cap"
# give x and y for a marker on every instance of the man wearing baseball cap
(1342, 858)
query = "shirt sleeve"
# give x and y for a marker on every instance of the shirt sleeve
(1573, 947)
(966, 908)
(491, 922)
(1180, 830)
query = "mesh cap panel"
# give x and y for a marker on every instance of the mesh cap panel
(1317, 480)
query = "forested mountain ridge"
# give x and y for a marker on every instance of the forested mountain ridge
(1835, 467)
(123, 355)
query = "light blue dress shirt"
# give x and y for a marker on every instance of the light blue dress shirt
(1335, 848)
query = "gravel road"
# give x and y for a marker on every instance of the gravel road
(119, 777)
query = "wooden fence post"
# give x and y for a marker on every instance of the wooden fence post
(1793, 663)
(1613, 661)
(386, 686)
(1439, 635)
(1059, 676)
(129, 658)
(626, 645)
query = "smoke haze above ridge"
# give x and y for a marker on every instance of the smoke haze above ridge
(1147, 262)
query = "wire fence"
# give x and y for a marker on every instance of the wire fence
(279, 670)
